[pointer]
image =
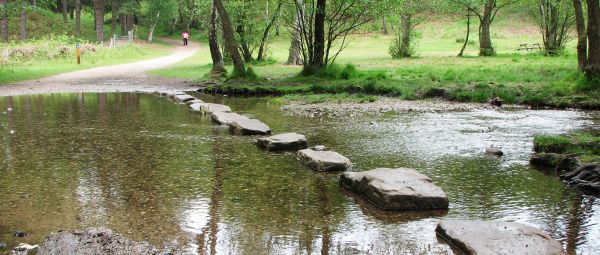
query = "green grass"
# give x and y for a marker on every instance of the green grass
(521, 78)
(586, 145)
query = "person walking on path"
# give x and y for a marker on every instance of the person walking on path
(185, 36)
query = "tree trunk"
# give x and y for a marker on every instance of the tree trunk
(462, 50)
(218, 67)
(294, 55)
(581, 35)
(123, 23)
(231, 44)
(115, 15)
(99, 15)
(549, 14)
(385, 27)
(405, 29)
(592, 68)
(317, 60)
(263, 41)
(485, 40)
(77, 17)
(152, 27)
(65, 11)
(246, 53)
(23, 34)
(3, 21)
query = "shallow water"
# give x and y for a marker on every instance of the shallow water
(152, 170)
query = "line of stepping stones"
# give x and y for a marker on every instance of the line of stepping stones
(389, 189)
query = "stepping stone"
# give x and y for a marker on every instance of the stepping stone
(249, 127)
(324, 161)
(226, 118)
(195, 101)
(183, 98)
(209, 108)
(493, 151)
(494, 237)
(289, 141)
(396, 189)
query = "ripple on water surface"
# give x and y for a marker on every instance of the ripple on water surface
(152, 170)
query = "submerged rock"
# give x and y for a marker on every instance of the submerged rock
(249, 127)
(586, 178)
(324, 161)
(93, 241)
(492, 237)
(546, 160)
(493, 151)
(289, 141)
(20, 234)
(226, 118)
(396, 189)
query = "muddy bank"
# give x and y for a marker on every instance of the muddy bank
(381, 106)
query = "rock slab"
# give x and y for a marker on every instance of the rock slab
(94, 241)
(183, 98)
(494, 237)
(324, 161)
(210, 108)
(226, 118)
(396, 189)
(249, 127)
(282, 142)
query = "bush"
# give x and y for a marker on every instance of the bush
(397, 50)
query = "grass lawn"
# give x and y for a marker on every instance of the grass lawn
(516, 77)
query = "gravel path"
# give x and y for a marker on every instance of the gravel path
(117, 78)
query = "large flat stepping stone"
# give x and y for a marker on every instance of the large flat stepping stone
(396, 189)
(183, 98)
(282, 142)
(249, 127)
(209, 108)
(324, 161)
(195, 101)
(226, 118)
(494, 237)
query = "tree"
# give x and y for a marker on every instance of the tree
(295, 45)
(270, 21)
(77, 17)
(581, 35)
(412, 14)
(156, 11)
(99, 17)
(592, 67)
(462, 50)
(114, 16)
(65, 11)
(486, 11)
(239, 69)
(218, 67)
(326, 25)
(23, 34)
(3, 21)
(555, 19)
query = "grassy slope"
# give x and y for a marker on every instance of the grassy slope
(586, 145)
(515, 77)
(42, 23)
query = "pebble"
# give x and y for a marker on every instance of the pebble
(2, 245)
(20, 234)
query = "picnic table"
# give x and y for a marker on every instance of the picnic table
(529, 47)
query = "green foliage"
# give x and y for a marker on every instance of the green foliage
(397, 51)
(586, 144)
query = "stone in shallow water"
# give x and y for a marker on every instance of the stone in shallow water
(493, 151)
(249, 127)
(396, 189)
(494, 237)
(281, 142)
(226, 118)
(209, 108)
(195, 101)
(94, 241)
(183, 98)
(324, 161)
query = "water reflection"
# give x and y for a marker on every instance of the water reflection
(153, 170)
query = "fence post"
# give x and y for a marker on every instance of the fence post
(130, 36)
(78, 53)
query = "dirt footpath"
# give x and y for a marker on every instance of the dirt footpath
(118, 78)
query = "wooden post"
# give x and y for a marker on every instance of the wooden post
(78, 54)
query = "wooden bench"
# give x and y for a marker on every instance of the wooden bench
(528, 47)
